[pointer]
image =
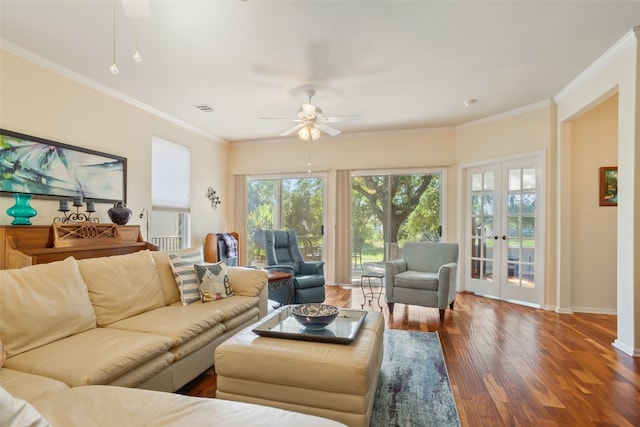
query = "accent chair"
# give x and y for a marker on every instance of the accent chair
(425, 275)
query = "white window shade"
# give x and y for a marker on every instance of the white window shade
(170, 175)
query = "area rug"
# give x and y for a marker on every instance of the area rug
(413, 388)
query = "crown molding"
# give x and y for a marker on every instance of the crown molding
(349, 135)
(83, 80)
(507, 114)
(598, 64)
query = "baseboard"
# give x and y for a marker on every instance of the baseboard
(594, 310)
(626, 348)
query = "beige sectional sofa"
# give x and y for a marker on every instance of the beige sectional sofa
(113, 321)
(118, 320)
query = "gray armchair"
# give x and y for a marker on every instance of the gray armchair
(283, 254)
(425, 275)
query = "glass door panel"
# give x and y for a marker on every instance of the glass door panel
(482, 234)
(388, 210)
(292, 203)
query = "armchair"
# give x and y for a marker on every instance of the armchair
(283, 254)
(425, 275)
(217, 247)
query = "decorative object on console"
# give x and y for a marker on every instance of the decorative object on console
(119, 214)
(42, 167)
(213, 198)
(76, 216)
(22, 210)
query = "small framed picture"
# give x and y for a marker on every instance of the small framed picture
(609, 186)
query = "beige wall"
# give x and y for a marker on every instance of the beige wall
(593, 240)
(394, 149)
(526, 130)
(39, 102)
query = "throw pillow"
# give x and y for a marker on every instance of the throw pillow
(213, 281)
(182, 266)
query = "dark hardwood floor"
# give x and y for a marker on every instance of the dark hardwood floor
(512, 365)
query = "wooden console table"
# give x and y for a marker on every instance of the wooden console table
(21, 246)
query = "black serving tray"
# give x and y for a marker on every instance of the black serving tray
(282, 324)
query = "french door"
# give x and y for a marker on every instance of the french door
(503, 234)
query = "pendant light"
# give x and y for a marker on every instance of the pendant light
(136, 56)
(114, 68)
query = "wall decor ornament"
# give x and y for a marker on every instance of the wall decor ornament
(213, 198)
(120, 214)
(45, 168)
(22, 212)
(609, 186)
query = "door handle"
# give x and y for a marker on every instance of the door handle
(496, 237)
(504, 237)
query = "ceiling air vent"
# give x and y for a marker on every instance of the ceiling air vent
(205, 108)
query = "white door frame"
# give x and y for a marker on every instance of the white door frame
(540, 158)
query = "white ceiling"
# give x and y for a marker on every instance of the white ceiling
(397, 64)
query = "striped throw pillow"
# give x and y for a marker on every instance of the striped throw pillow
(182, 266)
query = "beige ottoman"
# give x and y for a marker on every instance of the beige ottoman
(335, 381)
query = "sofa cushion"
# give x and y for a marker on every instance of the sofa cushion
(213, 281)
(122, 286)
(247, 281)
(41, 304)
(17, 412)
(416, 280)
(118, 406)
(176, 322)
(106, 354)
(169, 286)
(182, 266)
(29, 386)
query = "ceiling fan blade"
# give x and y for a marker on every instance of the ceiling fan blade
(292, 130)
(289, 119)
(334, 119)
(328, 129)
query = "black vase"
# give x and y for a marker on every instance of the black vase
(119, 214)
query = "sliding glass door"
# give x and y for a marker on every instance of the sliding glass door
(286, 203)
(388, 209)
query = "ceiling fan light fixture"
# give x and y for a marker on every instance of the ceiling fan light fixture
(309, 132)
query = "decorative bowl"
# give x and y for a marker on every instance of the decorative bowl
(315, 316)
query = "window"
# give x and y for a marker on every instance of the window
(170, 195)
(291, 203)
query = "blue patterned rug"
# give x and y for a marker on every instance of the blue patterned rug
(413, 388)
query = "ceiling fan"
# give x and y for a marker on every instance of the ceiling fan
(312, 121)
